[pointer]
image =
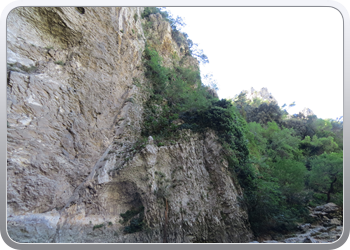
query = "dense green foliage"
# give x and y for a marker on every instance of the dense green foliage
(172, 92)
(298, 161)
(284, 164)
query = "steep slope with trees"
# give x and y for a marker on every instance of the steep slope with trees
(298, 163)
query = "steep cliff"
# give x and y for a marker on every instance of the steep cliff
(77, 168)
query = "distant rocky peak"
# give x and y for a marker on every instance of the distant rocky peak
(306, 112)
(262, 94)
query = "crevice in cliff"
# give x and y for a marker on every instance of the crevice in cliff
(124, 97)
(8, 77)
(165, 240)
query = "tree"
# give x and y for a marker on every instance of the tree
(326, 176)
(291, 105)
(197, 52)
(317, 146)
(291, 178)
(257, 142)
(282, 144)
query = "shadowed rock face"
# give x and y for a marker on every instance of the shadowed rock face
(74, 114)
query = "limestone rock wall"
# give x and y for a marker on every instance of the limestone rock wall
(74, 115)
(202, 203)
(70, 81)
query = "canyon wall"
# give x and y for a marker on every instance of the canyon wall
(75, 95)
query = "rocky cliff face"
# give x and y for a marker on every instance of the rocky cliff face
(75, 172)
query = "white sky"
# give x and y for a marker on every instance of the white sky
(297, 53)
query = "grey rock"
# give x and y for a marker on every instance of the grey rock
(327, 208)
(304, 227)
(74, 115)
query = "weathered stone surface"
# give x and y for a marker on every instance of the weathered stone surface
(62, 118)
(33, 228)
(203, 202)
(75, 97)
(304, 227)
(327, 208)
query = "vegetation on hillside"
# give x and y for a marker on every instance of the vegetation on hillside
(298, 162)
(283, 164)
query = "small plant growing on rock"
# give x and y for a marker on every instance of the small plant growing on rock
(60, 63)
(130, 100)
(136, 82)
(162, 175)
(30, 69)
(136, 225)
(129, 214)
(98, 226)
(136, 218)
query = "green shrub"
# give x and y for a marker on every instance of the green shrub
(136, 225)
(19, 67)
(162, 175)
(60, 63)
(136, 222)
(153, 10)
(98, 226)
(130, 213)
(173, 92)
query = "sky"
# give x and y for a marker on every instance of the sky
(296, 53)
